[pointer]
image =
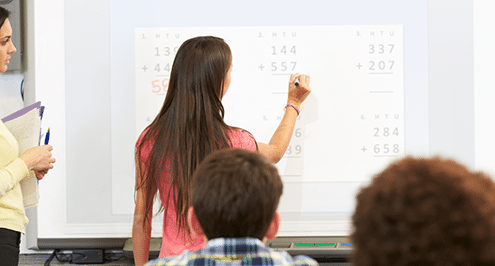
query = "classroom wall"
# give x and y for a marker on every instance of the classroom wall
(10, 96)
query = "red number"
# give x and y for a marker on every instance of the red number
(158, 87)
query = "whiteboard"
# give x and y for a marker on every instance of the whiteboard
(383, 81)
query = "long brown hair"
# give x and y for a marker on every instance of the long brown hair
(190, 124)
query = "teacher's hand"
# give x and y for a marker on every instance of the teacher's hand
(39, 159)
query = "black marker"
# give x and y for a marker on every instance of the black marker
(296, 82)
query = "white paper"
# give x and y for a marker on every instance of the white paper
(26, 129)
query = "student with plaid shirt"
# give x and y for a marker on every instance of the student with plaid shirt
(235, 194)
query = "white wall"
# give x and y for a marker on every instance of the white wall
(44, 78)
(484, 82)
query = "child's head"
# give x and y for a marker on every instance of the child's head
(199, 70)
(235, 193)
(425, 211)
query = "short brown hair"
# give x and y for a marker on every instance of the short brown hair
(235, 193)
(425, 211)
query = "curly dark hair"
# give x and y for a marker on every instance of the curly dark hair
(425, 211)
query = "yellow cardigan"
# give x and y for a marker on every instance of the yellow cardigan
(12, 171)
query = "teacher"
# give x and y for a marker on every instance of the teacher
(14, 168)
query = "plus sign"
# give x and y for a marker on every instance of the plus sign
(144, 68)
(359, 65)
(261, 67)
(364, 149)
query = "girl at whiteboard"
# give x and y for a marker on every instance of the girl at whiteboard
(14, 168)
(189, 126)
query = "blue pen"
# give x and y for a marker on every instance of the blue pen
(47, 137)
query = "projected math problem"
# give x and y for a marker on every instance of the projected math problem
(350, 127)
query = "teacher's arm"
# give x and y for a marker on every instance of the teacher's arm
(12, 174)
(275, 149)
(141, 229)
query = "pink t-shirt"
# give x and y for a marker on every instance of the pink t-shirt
(173, 242)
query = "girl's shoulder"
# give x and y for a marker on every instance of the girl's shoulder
(241, 138)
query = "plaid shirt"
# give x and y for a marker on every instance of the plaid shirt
(233, 251)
